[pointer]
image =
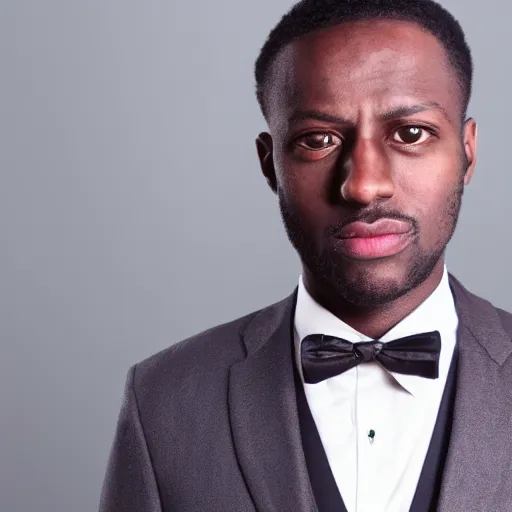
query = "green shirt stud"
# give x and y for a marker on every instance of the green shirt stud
(371, 436)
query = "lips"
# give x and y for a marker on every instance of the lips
(385, 237)
(379, 228)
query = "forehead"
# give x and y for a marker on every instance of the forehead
(373, 65)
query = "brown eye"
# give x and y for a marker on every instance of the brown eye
(411, 135)
(318, 141)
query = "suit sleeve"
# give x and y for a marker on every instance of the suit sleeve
(130, 484)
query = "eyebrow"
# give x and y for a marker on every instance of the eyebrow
(414, 109)
(390, 115)
(303, 115)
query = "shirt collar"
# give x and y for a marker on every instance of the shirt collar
(436, 313)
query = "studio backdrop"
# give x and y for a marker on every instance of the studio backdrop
(133, 212)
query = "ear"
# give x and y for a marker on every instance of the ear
(470, 139)
(264, 146)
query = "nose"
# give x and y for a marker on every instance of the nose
(368, 173)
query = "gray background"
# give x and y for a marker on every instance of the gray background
(125, 226)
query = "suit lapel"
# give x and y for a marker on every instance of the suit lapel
(479, 450)
(264, 417)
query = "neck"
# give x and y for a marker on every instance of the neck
(374, 322)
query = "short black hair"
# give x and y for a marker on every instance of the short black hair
(310, 15)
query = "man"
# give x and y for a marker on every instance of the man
(380, 383)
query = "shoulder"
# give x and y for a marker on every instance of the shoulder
(477, 311)
(208, 352)
(202, 362)
(506, 320)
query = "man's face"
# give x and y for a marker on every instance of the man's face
(365, 126)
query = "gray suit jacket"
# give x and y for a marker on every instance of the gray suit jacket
(211, 423)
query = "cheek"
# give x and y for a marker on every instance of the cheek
(428, 189)
(303, 183)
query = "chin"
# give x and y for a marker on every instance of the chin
(370, 286)
(375, 282)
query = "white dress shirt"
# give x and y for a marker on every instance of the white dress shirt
(402, 409)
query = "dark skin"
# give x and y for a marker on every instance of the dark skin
(365, 122)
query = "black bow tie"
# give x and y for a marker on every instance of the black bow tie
(326, 356)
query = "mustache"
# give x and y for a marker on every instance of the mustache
(371, 215)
